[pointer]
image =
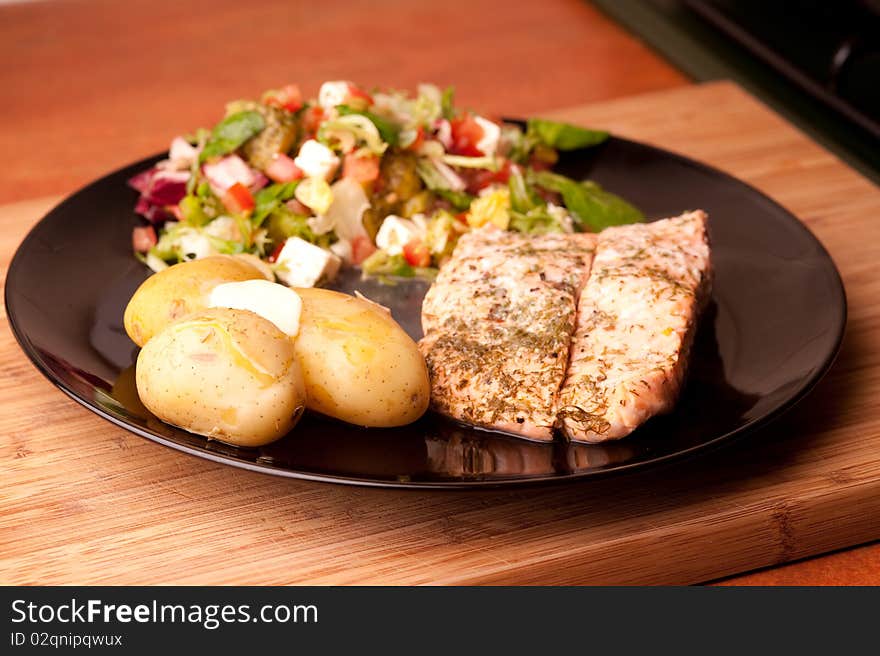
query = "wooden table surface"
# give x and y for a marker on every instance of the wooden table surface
(98, 84)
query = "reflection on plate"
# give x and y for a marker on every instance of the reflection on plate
(761, 346)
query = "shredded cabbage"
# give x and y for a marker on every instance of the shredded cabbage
(358, 125)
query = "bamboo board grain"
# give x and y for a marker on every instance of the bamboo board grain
(85, 502)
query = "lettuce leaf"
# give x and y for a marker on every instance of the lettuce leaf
(522, 197)
(589, 205)
(536, 221)
(459, 200)
(562, 135)
(267, 199)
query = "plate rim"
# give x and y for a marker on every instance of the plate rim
(807, 384)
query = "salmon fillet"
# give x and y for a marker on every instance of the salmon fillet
(498, 324)
(635, 324)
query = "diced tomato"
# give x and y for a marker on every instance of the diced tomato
(311, 119)
(238, 199)
(461, 217)
(289, 97)
(502, 175)
(282, 169)
(276, 251)
(416, 253)
(143, 238)
(355, 92)
(361, 248)
(466, 134)
(477, 179)
(363, 169)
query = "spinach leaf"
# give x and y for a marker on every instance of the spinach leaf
(562, 135)
(232, 132)
(590, 205)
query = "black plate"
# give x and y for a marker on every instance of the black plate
(772, 330)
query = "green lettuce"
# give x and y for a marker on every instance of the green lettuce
(589, 205)
(563, 136)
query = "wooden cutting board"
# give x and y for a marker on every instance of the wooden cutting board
(85, 502)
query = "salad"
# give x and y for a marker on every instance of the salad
(382, 180)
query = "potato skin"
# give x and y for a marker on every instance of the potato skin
(227, 374)
(359, 364)
(178, 291)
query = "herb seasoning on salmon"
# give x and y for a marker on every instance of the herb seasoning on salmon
(498, 325)
(635, 324)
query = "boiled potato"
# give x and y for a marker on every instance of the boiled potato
(257, 263)
(179, 290)
(228, 374)
(359, 364)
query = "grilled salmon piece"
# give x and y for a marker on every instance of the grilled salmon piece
(635, 325)
(498, 323)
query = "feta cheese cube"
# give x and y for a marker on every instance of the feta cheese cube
(333, 93)
(316, 160)
(301, 264)
(488, 144)
(228, 171)
(396, 233)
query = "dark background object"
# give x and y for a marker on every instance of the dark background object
(816, 62)
(830, 49)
